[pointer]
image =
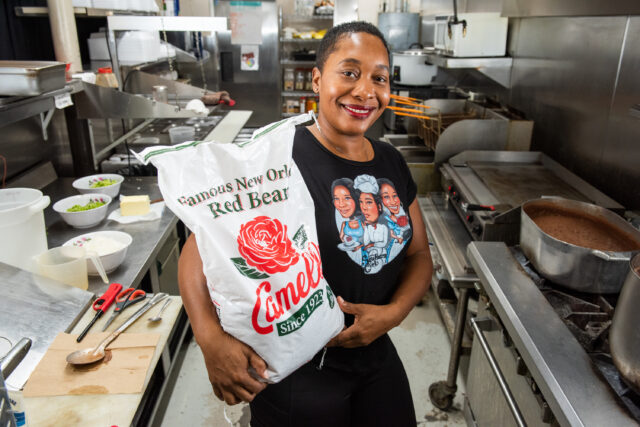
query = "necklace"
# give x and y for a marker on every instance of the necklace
(339, 150)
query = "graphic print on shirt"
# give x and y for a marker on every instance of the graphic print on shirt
(371, 220)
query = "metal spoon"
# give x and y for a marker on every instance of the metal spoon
(91, 355)
(159, 315)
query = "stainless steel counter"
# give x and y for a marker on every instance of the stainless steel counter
(38, 308)
(560, 367)
(148, 237)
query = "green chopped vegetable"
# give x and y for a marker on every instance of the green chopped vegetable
(91, 205)
(103, 183)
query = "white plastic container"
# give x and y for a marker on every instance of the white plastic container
(22, 226)
(137, 47)
(180, 134)
(98, 50)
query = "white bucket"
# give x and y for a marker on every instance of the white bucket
(22, 226)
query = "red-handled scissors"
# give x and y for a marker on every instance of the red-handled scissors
(101, 305)
(125, 298)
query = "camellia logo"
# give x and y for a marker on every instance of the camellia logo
(264, 244)
(266, 250)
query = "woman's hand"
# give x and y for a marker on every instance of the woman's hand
(371, 322)
(228, 361)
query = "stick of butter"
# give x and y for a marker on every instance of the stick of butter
(134, 205)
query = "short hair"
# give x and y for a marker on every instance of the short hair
(333, 36)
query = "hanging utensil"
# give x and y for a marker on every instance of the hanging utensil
(418, 116)
(91, 355)
(408, 110)
(404, 98)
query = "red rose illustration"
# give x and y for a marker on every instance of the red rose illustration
(264, 244)
(403, 220)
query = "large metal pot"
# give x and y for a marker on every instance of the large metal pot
(580, 268)
(624, 337)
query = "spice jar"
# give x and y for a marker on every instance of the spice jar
(310, 104)
(308, 81)
(293, 106)
(299, 79)
(289, 79)
(106, 78)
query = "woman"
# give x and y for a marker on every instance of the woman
(359, 380)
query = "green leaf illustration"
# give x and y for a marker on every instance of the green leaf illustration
(247, 271)
(300, 238)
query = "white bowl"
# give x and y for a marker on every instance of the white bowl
(82, 219)
(83, 185)
(111, 257)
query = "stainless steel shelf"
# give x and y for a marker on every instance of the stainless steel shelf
(306, 18)
(14, 109)
(298, 93)
(295, 62)
(85, 12)
(496, 68)
(284, 40)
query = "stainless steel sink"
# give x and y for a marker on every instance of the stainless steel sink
(401, 140)
(416, 154)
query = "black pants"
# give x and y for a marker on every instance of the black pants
(334, 398)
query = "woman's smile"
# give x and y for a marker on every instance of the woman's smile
(359, 111)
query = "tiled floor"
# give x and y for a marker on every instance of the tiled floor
(421, 341)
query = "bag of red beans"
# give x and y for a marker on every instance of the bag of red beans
(254, 222)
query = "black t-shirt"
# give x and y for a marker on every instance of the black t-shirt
(364, 229)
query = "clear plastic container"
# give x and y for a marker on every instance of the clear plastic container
(180, 134)
(289, 79)
(299, 79)
(67, 264)
(308, 81)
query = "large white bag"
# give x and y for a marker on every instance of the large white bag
(255, 228)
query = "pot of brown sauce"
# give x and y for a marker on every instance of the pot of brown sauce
(578, 245)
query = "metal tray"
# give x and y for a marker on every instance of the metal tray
(29, 78)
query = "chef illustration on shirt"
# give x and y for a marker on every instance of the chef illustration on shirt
(348, 218)
(371, 221)
(396, 217)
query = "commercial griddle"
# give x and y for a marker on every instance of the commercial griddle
(487, 189)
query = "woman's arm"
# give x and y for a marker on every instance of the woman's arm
(226, 358)
(372, 321)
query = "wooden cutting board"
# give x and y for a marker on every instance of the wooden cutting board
(123, 370)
